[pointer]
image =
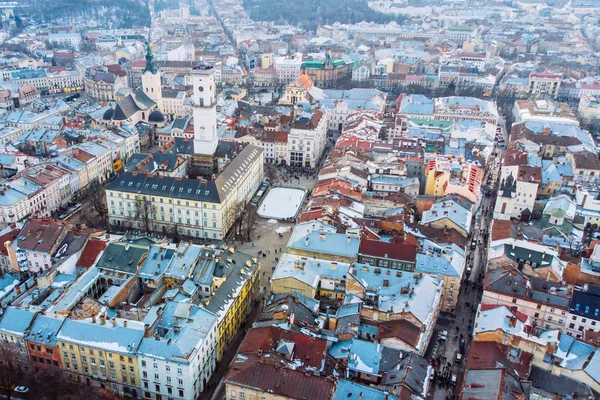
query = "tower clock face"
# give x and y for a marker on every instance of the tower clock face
(200, 89)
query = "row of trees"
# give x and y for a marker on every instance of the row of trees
(44, 384)
(311, 14)
(242, 213)
(244, 216)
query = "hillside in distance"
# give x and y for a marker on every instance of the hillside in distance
(309, 14)
(110, 14)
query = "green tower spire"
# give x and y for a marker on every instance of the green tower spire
(149, 60)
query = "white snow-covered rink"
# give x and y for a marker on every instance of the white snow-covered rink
(281, 203)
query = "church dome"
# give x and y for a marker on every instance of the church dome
(156, 116)
(108, 114)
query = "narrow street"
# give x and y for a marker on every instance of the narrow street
(460, 326)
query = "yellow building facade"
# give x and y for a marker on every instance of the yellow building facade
(232, 303)
(102, 353)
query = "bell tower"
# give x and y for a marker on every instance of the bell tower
(151, 84)
(204, 109)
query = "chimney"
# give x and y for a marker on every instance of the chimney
(102, 319)
(93, 319)
(114, 321)
(146, 330)
(157, 336)
(125, 323)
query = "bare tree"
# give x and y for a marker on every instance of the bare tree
(144, 213)
(249, 220)
(236, 215)
(96, 197)
(11, 359)
(270, 173)
(176, 235)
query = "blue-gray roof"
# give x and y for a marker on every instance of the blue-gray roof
(340, 349)
(448, 260)
(385, 283)
(44, 330)
(183, 261)
(107, 337)
(78, 290)
(451, 210)
(337, 244)
(194, 325)
(308, 270)
(549, 172)
(365, 357)
(416, 104)
(15, 321)
(156, 262)
(395, 180)
(593, 368)
(347, 390)
(571, 353)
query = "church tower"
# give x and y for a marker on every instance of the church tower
(151, 84)
(205, 110)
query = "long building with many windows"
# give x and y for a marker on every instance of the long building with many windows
(199, 208)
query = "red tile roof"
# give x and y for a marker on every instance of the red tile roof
(277, 381)
(513, 310)
(90, 253)
(501, 229)
(395, 251)
(41, 234)
(483, 355)
(310, 350)
(401, 329)
(260, 366)
(9, 236)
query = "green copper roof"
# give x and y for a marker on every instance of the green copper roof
(433, 123)
(462, 28)
(150, 60)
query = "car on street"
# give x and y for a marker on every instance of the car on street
(462, 343)
(443, 335)
(21, 389)
(458, 357)
(453, 379)
(473, 244)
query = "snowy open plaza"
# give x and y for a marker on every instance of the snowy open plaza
(282, 203)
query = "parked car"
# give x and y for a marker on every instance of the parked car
(453, 379)
(462, 343)
(21, 389)
(443, 335)
(458, 357)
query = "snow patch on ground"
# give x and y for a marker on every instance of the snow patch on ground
(272, 221)
(283, 229)
(281, 203)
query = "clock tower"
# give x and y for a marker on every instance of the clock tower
(205, 110)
